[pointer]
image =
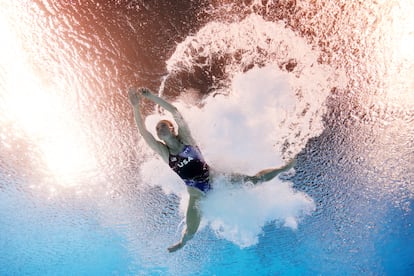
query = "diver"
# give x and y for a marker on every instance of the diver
(179, 150)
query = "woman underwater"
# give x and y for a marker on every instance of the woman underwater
(179, 150)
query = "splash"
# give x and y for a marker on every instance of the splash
(262, 116)
(289, 66)
(238, 133)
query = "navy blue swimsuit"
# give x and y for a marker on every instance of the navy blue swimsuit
(191, 167)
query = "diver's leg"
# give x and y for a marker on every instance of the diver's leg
(266, 175)
(269, 174)
(262, 176)
(241, 178)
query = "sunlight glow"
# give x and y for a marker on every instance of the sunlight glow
(42, 112)
(403, 28)
(399, 31)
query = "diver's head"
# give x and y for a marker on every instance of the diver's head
(165, 129)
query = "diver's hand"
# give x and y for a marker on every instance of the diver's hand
(134, 96)
(176, 246)
(145, 92)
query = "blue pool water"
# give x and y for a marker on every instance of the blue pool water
(259, 82)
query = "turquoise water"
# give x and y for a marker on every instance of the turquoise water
(259, 83)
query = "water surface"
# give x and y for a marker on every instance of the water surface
(259, 82)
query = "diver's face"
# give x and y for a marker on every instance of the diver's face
(164, 130)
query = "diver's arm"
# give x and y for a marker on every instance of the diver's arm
(163, 103)
(193, 219)
(158, 147)
(183, 128)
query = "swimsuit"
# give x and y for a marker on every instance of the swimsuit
(191, 167)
